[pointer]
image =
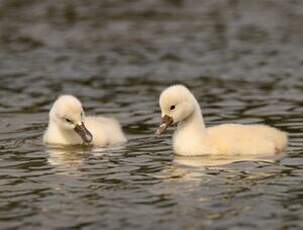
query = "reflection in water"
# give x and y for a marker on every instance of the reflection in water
(243, 62)
(70, 157)
(219, 160)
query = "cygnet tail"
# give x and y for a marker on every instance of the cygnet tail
(281, 140)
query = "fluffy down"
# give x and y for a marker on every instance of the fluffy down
(68, 125)
(179, 106)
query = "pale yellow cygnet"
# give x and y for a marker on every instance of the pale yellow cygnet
(68, 125)
(192, 138)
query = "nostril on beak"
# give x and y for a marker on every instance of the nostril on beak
(84, 133)
(165, 123)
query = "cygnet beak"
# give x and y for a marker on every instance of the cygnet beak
(83, 132)
(165, 123)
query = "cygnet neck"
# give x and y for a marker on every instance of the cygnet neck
(194, 122)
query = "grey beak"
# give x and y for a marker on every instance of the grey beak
(83, 132)
(165, 123)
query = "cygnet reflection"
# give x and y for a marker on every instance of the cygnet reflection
(220, 160)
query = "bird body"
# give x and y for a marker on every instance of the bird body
(69, 126)
(105, 130)
(192, 138)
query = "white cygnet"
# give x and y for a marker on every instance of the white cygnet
(192, 138)
(69, 126)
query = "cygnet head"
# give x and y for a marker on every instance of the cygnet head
(176, 103)
(67, 113)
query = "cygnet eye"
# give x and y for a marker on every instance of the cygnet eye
(68, 120)
(172, 107)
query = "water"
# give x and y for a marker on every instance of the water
(242, 60)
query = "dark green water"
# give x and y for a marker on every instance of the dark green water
(242, 59)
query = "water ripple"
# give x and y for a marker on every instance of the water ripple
(243, 61)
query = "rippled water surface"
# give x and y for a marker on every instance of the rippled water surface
(243, 61)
